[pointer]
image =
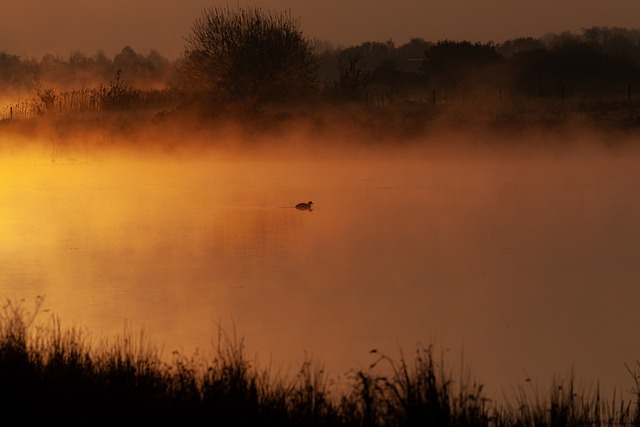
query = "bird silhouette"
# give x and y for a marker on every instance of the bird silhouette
(305, 206)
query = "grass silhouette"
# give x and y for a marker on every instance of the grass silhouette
(51, 374)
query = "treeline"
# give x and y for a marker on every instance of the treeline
(248, 57)
(597, 61)
(55, 84)
(80, 70)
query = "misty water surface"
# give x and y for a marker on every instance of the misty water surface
(527, 264)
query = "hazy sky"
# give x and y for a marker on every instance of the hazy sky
(35, 27)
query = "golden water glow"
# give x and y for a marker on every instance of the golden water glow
(505, 256)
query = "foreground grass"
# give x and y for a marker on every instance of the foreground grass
(50, 374)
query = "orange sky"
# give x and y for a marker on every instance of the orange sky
(34, 27)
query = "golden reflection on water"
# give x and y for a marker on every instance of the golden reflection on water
(529, 265)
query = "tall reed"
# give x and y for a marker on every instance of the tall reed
(50, 374)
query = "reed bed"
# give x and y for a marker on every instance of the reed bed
(52, 103)
(50, 374)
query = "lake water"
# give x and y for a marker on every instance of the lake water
(527, 264)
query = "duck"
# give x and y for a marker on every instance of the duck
(304, 206)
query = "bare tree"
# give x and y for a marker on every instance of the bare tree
(353, 79)
(247, 55)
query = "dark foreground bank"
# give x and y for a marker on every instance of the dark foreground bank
(53, 375)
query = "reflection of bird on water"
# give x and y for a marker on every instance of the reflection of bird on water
(304, 206)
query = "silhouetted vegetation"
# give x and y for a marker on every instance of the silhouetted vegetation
(247, 55)
(257, 67)
(80, 70)
(462, 65)
(353, 80)
(50, 374)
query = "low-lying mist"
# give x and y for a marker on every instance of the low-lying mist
(514, 245)
(465, 129)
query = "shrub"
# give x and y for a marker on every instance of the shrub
(247, 55)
